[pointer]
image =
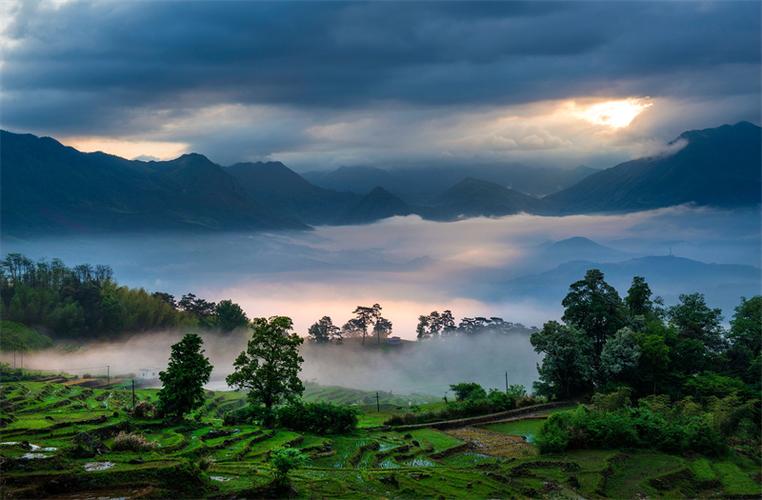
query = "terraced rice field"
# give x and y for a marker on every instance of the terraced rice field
(43, 421)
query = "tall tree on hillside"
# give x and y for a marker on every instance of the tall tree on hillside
(200, 308)
(366, 316)
(183, 381)
(269, 367)
(229, 316)
(745, 338)
(594, 306)
(324, 331)
(566, 368)
(382, 328)
(695, 320)
(638, 298)
(435, 324)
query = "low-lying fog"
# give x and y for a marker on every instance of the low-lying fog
(423, 368)
(504, 267)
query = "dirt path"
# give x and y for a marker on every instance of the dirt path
(493, 443)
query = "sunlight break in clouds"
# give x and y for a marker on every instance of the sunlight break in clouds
(161, 150)
(613, 114)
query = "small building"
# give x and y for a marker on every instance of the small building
(394, 341)
(148, 373)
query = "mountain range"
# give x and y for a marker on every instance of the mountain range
(51, 188)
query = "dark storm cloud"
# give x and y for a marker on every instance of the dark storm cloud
(77, 68)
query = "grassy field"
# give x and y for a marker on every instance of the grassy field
(204, 458)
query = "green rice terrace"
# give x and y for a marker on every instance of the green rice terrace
(64, 438)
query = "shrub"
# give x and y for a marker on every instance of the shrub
(638, 427)
(144, 409)
(87, 445)
(468, 390)
(244, 415)
(320, 418)
(285, 459)
(132, 441)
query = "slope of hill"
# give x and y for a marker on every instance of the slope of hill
(578, 248)
(424, 183)
(473, 197)
(378, 204)
(669, 276)
(279, 187)
(53, 188)
(718, 167)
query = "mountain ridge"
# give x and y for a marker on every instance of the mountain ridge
(48, 186)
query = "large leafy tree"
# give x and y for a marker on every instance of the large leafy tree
(654, 361)
(183, 381)
(594, 306)
(435, 323)
(382, 328)
(694, 320)
(638, 298)
(620, 356)
(745, 338)
(269, 367)
(324, 331)
(365, 316)
(566, 369)
(229, 316)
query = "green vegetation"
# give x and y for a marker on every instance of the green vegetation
(78, 432)
(696, 436)
(84, 301)
(183, 380)
(269, 367)
(17, 337)
(471, 400)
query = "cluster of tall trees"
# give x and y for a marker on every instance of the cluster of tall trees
(605, 341)
(85, 301)
(367, 321)
(442, 324)
(268, 370)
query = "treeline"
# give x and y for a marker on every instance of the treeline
(368, 323)
(85, 302)
(660, 376)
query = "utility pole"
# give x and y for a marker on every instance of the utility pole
(506, 382)
(378, 404)
(108, 374)
(14, 359)
(133, 394)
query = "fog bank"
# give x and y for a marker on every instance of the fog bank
(427, 367)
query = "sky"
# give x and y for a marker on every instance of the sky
(326, 84)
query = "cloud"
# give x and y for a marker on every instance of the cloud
(129, 69)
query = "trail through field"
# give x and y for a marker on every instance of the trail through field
(493, 443)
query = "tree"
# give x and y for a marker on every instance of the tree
(183, 381)
(269, 367)
(695, 320)
(594, 306)
(566, 369)
(200, 308)
(745, 338)
(620, 355)
(324, 331)
(365, 317)
(283, 460)
(435, 324)
(423, 330)
(167, 298)
(382, 328)
(638, 298)
(654, 358)
(468, 390)
(229, 316)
